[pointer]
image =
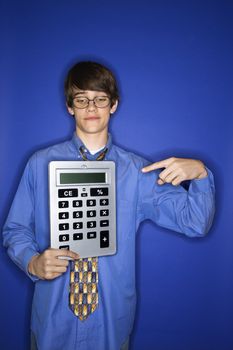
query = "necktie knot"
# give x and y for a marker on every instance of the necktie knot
(100, 157)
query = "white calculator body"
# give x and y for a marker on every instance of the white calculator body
(82, 198)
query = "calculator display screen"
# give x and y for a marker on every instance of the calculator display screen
(82, 178)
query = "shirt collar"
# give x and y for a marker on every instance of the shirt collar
(79, 143)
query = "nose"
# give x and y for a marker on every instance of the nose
(91, 105)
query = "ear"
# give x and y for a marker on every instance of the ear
(114, 107)
(70, 109)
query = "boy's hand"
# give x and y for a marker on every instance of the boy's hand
(48, 266)
(178, 170)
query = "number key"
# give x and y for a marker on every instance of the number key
(77, 203)
(77, 214)
(63, 238)
(63, 227)
(91, 202)
(91, 224)
(63, 204)
(91, 213)
(77, 225)
(64, 215)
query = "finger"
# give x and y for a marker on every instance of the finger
(51, 275)
(57, 269)
(170, 177)
(60, 262)
(69, 254)
(177, 181)
(65, 253)
(55, 275)
(157, 165)
(49, 271)
(166, 172)
(160, 182)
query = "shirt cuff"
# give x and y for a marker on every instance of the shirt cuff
(206, 184)
(27, 258)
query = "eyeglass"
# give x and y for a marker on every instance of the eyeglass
(99, 101)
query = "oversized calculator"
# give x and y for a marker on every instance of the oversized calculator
(83, 207)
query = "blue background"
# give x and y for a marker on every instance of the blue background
(174, 63)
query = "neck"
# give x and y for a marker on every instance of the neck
(93, 141)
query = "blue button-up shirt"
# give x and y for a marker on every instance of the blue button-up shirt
(139, 197)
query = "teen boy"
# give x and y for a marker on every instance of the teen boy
(143, 192)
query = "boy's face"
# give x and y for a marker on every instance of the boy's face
(91, 119)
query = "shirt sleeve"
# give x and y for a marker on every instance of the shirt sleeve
(19, 229)
(187, 211)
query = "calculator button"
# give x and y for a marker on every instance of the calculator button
(91, 235)
(104, 212)
(104, 239)
(64, 215)
(77, 236)
(104, 223)
(103, 201)
(63, 227)
(73, 192)
(64, 247)
(91, 213)
(77, 204)
(63, 204)
(77, 214)
(63, 238)
(91, 202)
(91, 224)
(77, 225)
(101, 191)
(83, 194)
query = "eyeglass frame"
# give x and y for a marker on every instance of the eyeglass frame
(92, 100)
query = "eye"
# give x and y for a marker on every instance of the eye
(81, 100)
(101, 99)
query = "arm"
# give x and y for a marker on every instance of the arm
(163, 200)
(19, 233)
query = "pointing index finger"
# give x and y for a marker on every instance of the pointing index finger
(157, 165)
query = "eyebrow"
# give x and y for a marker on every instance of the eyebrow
(79, 93)
(84, 92)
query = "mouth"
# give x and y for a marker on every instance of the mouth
(92, 117)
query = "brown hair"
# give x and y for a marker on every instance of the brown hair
(93, 76)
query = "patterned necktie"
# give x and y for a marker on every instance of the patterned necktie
(83, 298)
